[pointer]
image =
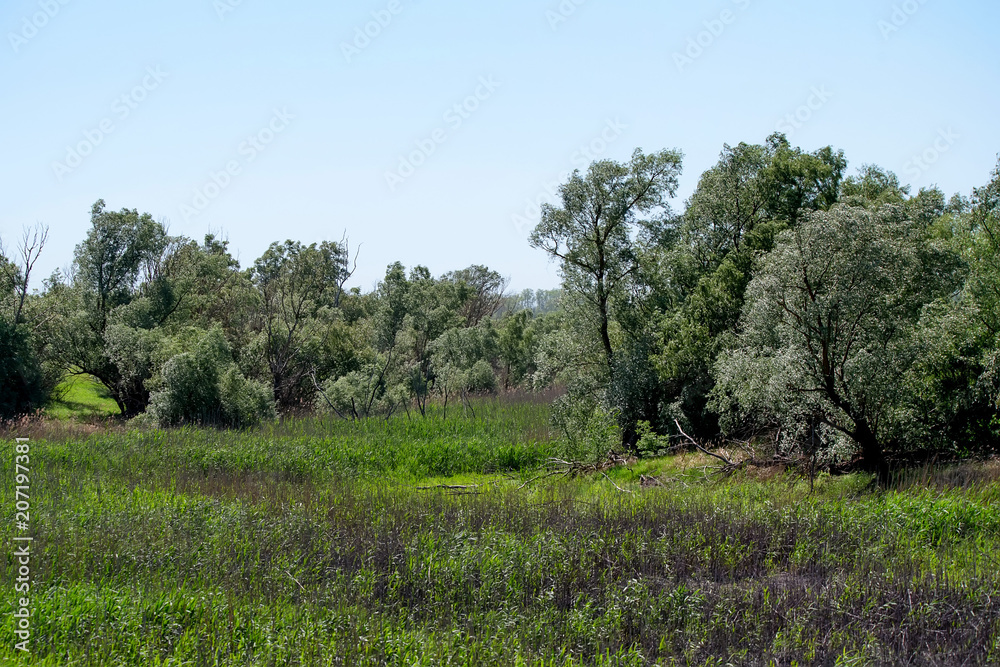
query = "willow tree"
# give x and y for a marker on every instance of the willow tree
(594, 234)
(830, 329)
(591, 234)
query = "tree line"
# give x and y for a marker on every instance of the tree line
(787, 304)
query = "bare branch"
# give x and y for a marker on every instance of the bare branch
(702, 449)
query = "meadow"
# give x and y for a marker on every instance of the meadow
(318, 541)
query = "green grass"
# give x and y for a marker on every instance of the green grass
(308, 543)
(81, 397)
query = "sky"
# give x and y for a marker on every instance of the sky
(428, 131)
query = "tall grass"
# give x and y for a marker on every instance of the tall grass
(497, 437)
(276, 547)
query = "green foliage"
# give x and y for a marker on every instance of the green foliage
(104, 320)
(299, 290)
(830, 329)
(462, 358)
(204, 386)
(732, 220)
(22, 382)
(661, 316)
(368, 392)
(596, 235)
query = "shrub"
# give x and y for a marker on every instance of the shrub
(204, 386)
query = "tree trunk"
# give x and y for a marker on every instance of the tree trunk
(872, 455)
(605, 334)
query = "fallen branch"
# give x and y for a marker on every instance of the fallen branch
(702, 449)
(450, 487)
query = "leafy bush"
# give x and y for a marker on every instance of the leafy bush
(204, 386)
(361, 394)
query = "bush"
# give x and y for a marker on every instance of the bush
(481, 378)
(204, 386)
(361, 394)
(244, 402)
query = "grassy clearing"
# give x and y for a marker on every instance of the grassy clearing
(307, 543)
(81, 397)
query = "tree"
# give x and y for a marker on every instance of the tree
(204, 386)
(299, 289)
(24, 385)
(591, 234)
(981, 242)
(830, 329)
(117, 289)
(463, 360)
(481, 292)
(733, 218)
(517, 345)
(596, 233)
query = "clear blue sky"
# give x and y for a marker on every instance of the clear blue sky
(201, 77)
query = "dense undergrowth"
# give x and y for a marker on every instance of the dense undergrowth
(309, 543)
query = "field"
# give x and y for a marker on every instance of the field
(312, 543)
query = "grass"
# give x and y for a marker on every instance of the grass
(81, 397)
(308, 544)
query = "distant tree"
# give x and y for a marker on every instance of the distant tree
(299, 290)
(463, 360)
(480, 291)
(517, 345)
